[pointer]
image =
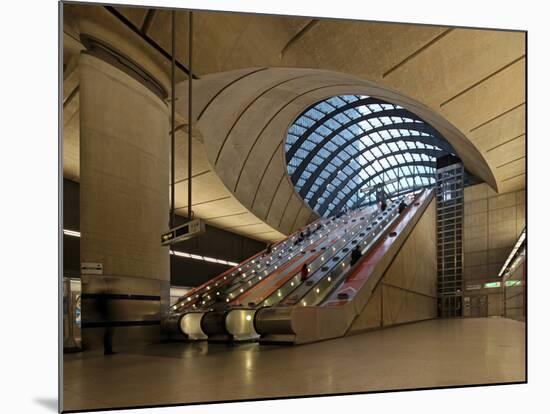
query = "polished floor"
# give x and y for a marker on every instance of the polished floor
(426, 354)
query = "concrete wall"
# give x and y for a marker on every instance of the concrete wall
(492, 225)
(514, 295)
(216, 243)
(483, 302)
(408, 290)
(124, 172)
(123, 203)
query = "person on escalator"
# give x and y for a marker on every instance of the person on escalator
(383, 205)
(355, 255)
(402, 206)
(304, 273)
(269, 248)
(300, 238)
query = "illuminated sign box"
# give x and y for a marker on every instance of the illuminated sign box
(183, 232)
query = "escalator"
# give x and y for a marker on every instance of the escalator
(235, 321)
(228, 288)
(326, 311)
(327, 271)
(265, 296)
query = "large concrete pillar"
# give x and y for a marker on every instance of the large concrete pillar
(124, 198)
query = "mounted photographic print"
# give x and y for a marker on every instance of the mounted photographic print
(263, 206)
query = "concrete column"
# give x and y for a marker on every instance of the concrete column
(124, 198)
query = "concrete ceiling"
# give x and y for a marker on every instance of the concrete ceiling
(244, 115)
(473, 79)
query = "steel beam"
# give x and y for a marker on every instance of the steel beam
(337, 190)
(321, 167)
(313, 200)
(329, 115)
(411, 126)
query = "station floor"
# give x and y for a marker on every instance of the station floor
(425, 354)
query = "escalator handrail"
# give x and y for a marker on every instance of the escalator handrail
(346, 256)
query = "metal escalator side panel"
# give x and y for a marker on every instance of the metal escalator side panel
(349, 227)
(297, 325)
(367, 266)
(273, 321)
(278, 264)
(195, 296)
(259, 274)
(225, 273)
(302, 294)
(305, 324)
(190, 325)
(381, 229)
(285, 286)
(278, 294)
(324, 283)
(171, 325)
(224, 276)
(242, 295)
(291, 275)
(239, 323)
(213, 323)
(188, 303)
(204, 295)
(272, 278)
(208, 297)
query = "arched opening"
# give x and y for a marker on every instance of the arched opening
(349, 150)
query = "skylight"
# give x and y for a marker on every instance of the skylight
(358, 145)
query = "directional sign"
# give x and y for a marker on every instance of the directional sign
(185, 231)
(87, 268)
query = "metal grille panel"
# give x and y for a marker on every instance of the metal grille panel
(450, 215)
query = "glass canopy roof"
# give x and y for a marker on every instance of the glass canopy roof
(341, 151)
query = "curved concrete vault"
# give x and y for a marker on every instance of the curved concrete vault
(243, 116)
(245, 100)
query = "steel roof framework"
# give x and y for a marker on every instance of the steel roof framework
(343, 144)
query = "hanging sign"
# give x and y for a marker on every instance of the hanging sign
(185, 231)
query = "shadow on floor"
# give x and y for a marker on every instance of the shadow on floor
(49, 403)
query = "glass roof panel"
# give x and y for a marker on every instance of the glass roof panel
(330, 163)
